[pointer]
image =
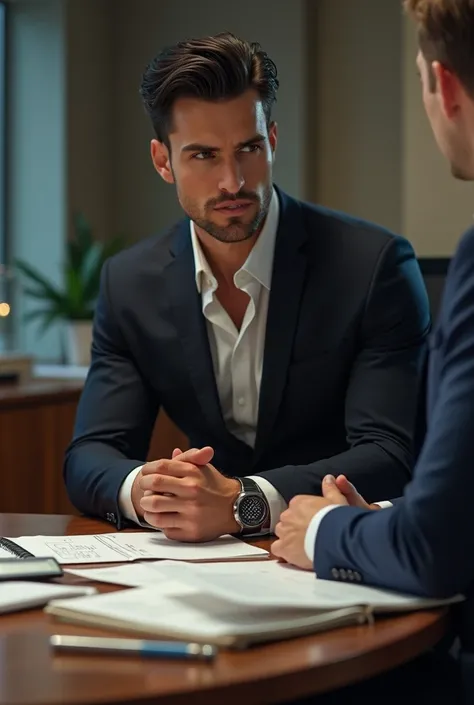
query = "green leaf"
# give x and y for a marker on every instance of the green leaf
(48, 319)
(76, 298)
(33, 315)
(49, 290)
(42, 294)
(90, 272)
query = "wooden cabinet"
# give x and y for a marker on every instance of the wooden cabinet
(36, 424)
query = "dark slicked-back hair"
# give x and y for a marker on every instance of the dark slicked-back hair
(214, 68)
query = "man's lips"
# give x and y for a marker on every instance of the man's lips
(228, 206)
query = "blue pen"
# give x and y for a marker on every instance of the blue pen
(135, 647)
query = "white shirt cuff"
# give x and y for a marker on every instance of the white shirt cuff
(275, 501)
(385, 504)
(312, 530)
(125, 500)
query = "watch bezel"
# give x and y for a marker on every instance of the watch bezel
(237, 516)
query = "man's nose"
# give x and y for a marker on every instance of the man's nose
(231, 179)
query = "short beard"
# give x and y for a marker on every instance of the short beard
(236, 231)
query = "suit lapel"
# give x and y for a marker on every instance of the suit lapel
(192, 330)
(289, 268)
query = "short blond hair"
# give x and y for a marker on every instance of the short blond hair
(446, 34)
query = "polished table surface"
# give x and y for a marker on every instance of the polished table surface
(31, 673)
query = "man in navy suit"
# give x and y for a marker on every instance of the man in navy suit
(284, 339)
(424, 544)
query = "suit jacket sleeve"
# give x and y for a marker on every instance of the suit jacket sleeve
(424, 544)
(381, 397)
(114, 421)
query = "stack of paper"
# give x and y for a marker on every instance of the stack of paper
(232, 604)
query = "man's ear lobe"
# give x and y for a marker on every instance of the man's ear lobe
(161, 158)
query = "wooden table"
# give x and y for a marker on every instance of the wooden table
(31, 674)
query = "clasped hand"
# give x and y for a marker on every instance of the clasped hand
(187, 497)
(294, 521)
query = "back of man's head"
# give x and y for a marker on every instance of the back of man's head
(446, 35)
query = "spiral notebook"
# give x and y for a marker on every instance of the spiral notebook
(10, 549)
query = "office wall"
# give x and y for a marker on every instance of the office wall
(142, 203)
(372, 152)
(355, 77)
(90, 112)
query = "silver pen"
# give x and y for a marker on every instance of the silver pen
(136, 647)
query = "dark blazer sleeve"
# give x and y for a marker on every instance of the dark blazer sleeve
(424, 545)
(114, 421)
(381, 398)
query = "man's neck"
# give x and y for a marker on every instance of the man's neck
(225, 258)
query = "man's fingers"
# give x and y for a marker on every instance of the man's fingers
(277, 550)
(331, 491)
(169, 520)
(350, 493)
(185, 487)
(171, 468)
(159, 504)
(198, 456)
(190, 458)
(346, 487)
(279, 528)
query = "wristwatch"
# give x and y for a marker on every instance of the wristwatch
(251, 510)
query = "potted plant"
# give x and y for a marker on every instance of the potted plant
(74, 301)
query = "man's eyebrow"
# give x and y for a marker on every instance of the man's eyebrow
(197, 147)
(253, 140)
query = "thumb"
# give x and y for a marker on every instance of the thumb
(176, 452)
(331, 491)
(197, 456)
(350, 493)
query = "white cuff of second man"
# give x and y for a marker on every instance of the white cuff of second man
(312, 530)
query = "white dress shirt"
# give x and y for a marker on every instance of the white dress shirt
(237, 355)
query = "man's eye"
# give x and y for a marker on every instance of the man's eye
(250, 148)
(203, 155)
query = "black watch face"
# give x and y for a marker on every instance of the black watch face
(252, 510)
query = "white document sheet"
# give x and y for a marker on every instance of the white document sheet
(18, 595)
(125, 547)
(151, 573)
(271, 584)
(135, 575)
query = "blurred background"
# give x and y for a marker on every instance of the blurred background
(74, 149)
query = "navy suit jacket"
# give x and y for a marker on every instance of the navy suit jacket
(345, 339)
(425, 543)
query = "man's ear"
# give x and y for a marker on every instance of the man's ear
(449, 88)
(161, 158)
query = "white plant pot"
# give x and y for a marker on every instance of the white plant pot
(78, 342)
